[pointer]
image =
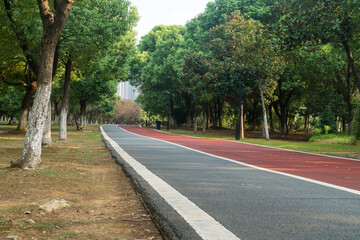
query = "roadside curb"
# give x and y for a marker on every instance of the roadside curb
(161, 213)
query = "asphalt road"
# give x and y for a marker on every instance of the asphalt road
(248, 202)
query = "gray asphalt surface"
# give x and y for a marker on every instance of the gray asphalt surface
(251, 203)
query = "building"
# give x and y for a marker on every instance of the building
(126, 91)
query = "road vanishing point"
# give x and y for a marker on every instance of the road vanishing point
(198, 188)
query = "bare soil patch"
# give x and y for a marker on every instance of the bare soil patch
(80, 170)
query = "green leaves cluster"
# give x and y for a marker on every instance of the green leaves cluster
(303, 53)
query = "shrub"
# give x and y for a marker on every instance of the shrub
(328, 121)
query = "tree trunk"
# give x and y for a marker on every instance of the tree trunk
(253, 125)
(203, 120)
(219, 111)
(11, 119)
(283, 120)
(208, 118)
(52, 27)
(242, 131)
(271, 119)
(65, 101)
(352, 63)
(82, 113)
(25, 105)
(46, 140)
(266, 130)
(195, 124)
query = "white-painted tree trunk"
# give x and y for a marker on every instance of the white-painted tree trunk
(63, 124)
(266, 130)
(52, 28)
(46, 141)
(83, 120)
(30, 158)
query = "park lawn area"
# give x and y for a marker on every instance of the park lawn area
(295, 141)
(80, 170)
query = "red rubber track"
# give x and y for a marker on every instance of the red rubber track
(338, 171)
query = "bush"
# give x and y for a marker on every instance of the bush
(356, 123)
(328, 121)
(339, 138)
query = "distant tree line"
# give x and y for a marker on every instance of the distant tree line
(297, 62)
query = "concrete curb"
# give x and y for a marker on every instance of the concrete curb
(168, 221)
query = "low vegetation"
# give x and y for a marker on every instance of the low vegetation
(79, 170)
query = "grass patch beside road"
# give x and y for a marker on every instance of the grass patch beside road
(338, 145)
(79, 170)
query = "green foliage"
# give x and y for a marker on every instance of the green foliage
(158, 67)
(339, 138)
(328, 121)
(10, 100)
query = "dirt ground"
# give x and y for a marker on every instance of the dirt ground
(80, 170)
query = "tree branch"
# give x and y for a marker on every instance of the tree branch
(10, 83)
(21, 37)
(47, 16)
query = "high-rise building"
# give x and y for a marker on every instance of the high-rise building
(126, 91)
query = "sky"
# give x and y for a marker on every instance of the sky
(166, 12)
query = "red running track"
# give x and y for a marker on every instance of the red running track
(338, 171)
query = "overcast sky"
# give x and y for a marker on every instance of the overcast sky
(166, 12)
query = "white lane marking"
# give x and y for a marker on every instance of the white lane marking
(254, 144)
(205, 225)
(260, 168)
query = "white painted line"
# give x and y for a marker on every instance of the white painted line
(205, 225)
(260, 168)
(254, 144)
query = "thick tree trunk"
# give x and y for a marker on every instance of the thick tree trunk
(32, 146)
(46, 140)
(11, 119)
(266, 130)
(25, 105)
(65, 101)
(52, 27)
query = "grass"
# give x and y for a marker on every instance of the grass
(340, 145)
(340, 138)
(79, 170)
(45, 226)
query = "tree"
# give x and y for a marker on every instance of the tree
(161, 74)
(18, 63)
(253, 52)
(112, 23)
(53, 23)
(127, 112)
(321, 22)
